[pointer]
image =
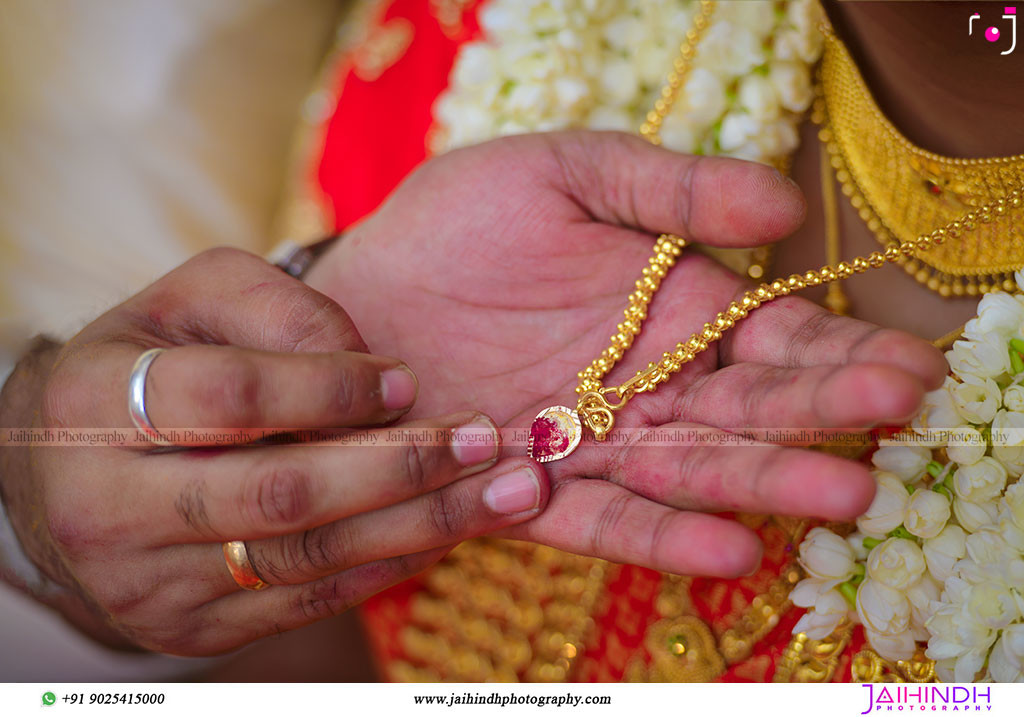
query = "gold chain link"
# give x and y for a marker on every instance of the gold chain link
(595, 411)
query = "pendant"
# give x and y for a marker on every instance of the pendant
(555, 433)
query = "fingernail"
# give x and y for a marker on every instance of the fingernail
(514, 492)
(475, 445)
(398, 388)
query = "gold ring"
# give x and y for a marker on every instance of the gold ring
(241, 568)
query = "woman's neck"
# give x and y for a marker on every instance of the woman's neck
(946, 91)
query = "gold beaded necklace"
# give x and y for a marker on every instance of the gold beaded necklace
(557, 431)
(901, 191)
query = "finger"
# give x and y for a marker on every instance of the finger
(511, 492)
(228, 296)
(259, 492)
(603, 520)
(712, 470)
(246, 616)
(853, 397)
(214, 395)
(792, 332)
(622, 179)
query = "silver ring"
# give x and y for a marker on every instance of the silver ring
(137, 396)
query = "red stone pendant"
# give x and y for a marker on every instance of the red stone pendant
(555, 433)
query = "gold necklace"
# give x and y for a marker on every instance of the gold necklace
(557, 431)
(901, 191)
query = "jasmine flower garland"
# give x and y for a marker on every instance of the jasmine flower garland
(938, 558)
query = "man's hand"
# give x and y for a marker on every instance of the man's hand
(135, 534)
(501, 270)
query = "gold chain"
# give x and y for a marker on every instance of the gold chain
(593, 408)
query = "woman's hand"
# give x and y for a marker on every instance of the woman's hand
(136, 534)
(506, 267)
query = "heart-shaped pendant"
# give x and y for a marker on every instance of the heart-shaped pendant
(555, 433)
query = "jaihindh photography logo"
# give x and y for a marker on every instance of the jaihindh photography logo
(928, 698)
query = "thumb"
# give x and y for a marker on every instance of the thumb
(621, 179)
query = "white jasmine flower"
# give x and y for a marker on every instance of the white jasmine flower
(992, 605)
(900, 646)
(677, 133)
(897, 563)
(927, 513)
(1006, 663)
(613, 118)
(856, 542)
(1012, 504)
(731, 50)
(704, 95)
(966, 445)
(754, 16)
(826, 609)
(1013, 398)
(738, 130)
(980, 482)
(792, 82)
(887, 509)
(944, 550)
(938, 413)
(986, 357)
(826, 556)
(1008, 440)
(921, 596)
(906, 462)
(882, 609)
(956, 634)
(757, 96)
(974, 516)
(1000, 315)
(776, 139)
(976, 398)
(619, 83)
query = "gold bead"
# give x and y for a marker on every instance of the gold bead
(985, 217)
(876, 259)
(923, 244)
(812, 278)
(984, 287)
(958, 288)
(945, 290)
(972, 289)
(779, 287)
(907, 248)
(933, 283)
(860, 264)
(892, 252)
(954, 229)
(843, 270)
(1009, 285)
(922, 275)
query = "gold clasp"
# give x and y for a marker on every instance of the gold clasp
(597, 412)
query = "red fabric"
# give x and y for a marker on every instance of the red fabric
(377, 134)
